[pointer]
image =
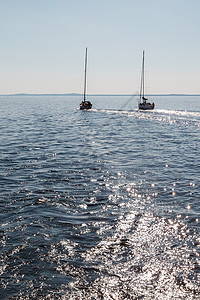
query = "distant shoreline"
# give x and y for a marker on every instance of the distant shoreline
(92, 95)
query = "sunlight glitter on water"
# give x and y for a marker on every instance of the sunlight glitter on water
(146, 256)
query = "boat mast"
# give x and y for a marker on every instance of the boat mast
(142, 79)
(84, 95)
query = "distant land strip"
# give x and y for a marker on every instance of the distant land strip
(89, 95)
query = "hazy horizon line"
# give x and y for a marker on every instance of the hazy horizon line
(96, 94)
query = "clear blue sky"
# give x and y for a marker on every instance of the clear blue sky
(42, 45)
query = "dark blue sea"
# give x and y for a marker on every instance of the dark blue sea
(99, 204)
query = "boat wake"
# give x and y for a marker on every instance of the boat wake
(161, 115)
(179, 116)
(179, 112)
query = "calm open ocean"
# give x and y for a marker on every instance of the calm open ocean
(100, 204)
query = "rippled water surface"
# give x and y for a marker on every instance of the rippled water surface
(100, 204)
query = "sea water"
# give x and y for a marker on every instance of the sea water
(99, 204)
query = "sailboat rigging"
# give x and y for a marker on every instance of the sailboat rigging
(143, 104)
(85, 104)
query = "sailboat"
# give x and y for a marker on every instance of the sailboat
(144, 104)
(85, 104)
